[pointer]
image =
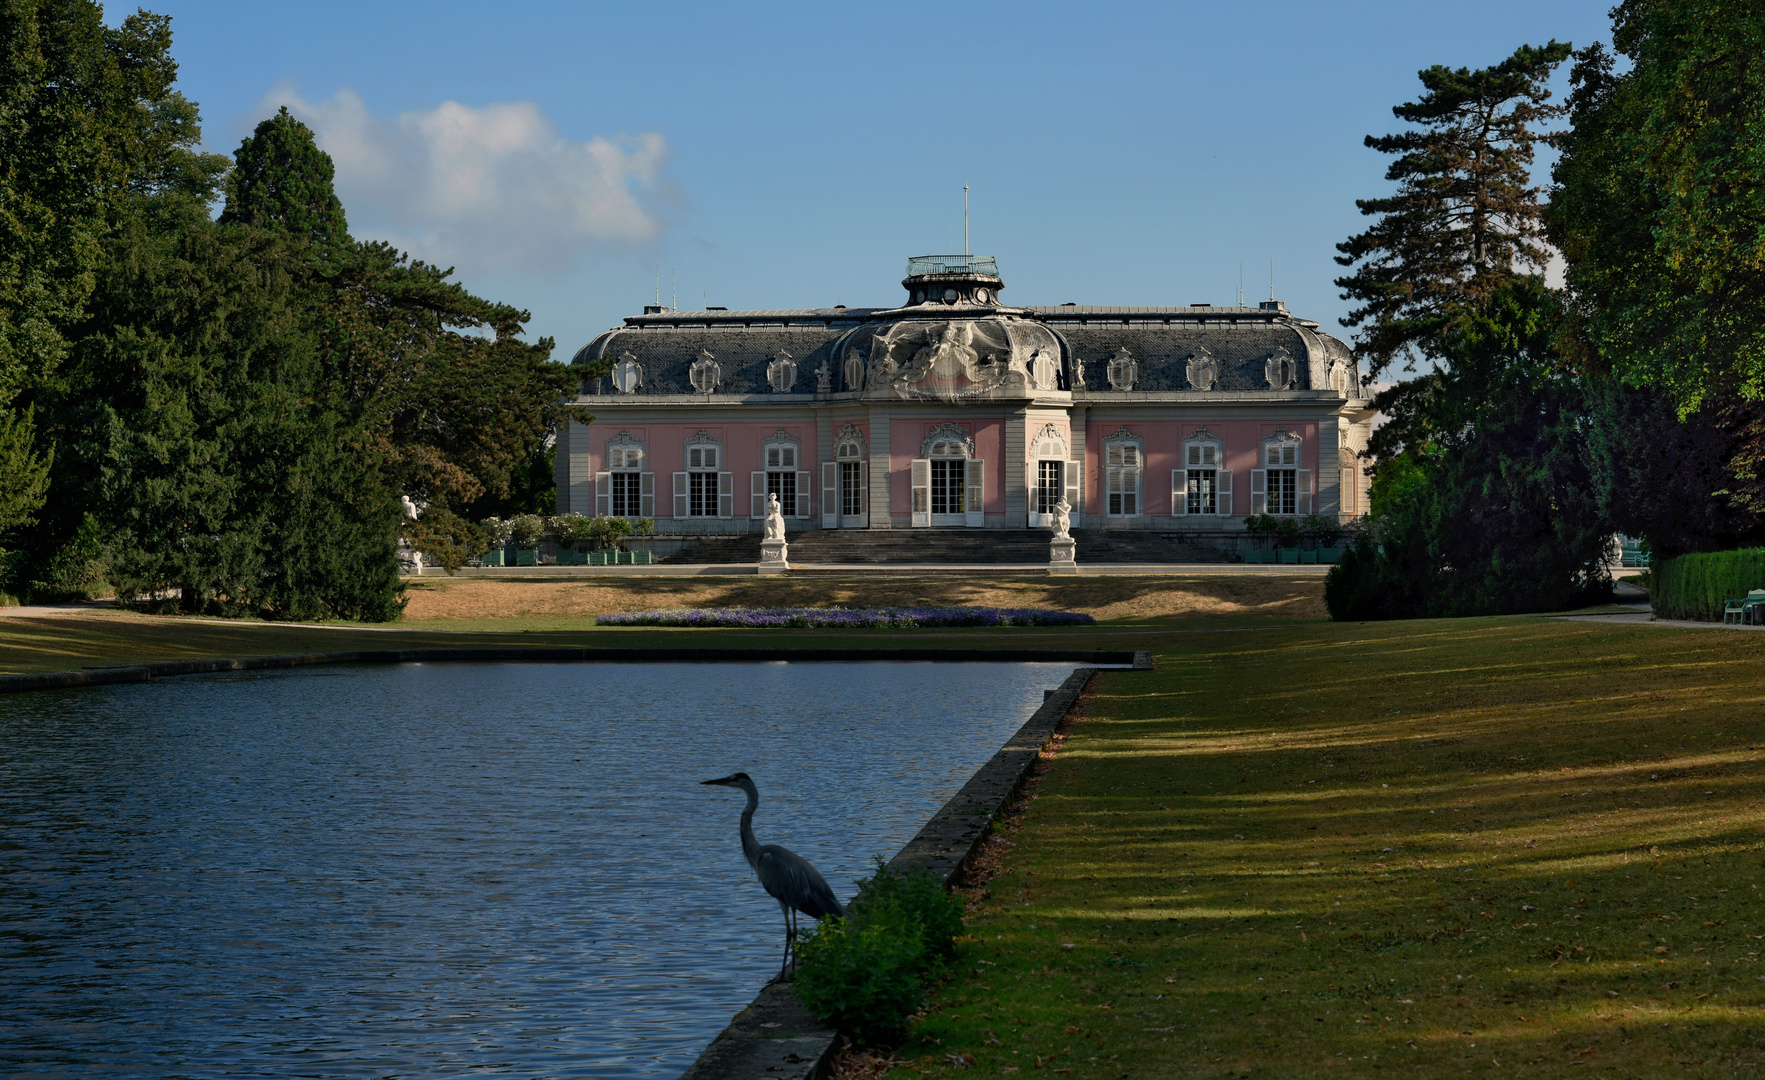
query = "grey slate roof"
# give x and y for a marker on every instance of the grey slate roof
(1161, 339)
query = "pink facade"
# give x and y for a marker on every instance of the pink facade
(1241, 443)
(954, 409)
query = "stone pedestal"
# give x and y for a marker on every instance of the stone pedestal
(772, 556)
(1062, 555)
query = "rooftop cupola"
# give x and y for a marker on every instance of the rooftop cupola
(953, 280)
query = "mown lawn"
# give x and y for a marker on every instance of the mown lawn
(1514, 847)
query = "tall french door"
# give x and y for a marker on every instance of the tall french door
(949, 477)
(1050, 485)
(949, 491)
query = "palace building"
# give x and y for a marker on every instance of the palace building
(957, 410)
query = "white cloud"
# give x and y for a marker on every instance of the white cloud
(492, 188)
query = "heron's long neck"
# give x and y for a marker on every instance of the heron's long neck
(751, 846)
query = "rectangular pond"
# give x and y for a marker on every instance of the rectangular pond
(446, 869)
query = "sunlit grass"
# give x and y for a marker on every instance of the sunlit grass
(1482, 847)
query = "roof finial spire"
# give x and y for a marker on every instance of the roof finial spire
(965, 221)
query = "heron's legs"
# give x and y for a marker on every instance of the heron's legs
(790, 937)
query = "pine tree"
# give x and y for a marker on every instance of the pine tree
(1465, 219)
(454, 413)
(282, 181)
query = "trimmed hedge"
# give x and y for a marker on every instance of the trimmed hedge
(1695, 586)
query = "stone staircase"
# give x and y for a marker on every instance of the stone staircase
(949, 547)
(719, 550)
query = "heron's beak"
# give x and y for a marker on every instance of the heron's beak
(723, 781)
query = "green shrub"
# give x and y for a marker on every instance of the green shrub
(1288, 532)
(866, 973)
(864, 978)
(1695, 586)
(497, 532)
(914, 899)
(1262, 527)
(570, 529)
(525, 530)
(1327, 529)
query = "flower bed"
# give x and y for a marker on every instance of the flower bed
(838, 617)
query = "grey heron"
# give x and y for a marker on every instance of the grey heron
(785, 875)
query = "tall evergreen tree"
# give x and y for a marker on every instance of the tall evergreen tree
(282, 181)
(1489, 507)
(78, 104)
(454, 403)
(1465, 218)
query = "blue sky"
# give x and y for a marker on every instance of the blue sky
(796, 155)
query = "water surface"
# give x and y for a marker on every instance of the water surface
(443, 870)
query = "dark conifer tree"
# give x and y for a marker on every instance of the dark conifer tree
(76, 98)
(1465, 218)
(282, 181)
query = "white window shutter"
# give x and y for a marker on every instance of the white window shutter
(646, 495)
(1075, 491)
(680, 490)
(830, 494)
(725, 494)
(1031, 483)
(922, 491)
(805, 488)
(1302, 497)
(1259, 492)
(603, 494)
(1223, 493)
(1179, 492)
(863, 494)
(1345, 494)
(757, 495)
(975, 505)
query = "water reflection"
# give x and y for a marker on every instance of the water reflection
(436, 870)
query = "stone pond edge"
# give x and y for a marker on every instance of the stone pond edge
(139, 673)
(775, 1037)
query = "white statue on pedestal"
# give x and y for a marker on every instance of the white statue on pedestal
(1062, 548)
(774, 518)
(774, 552)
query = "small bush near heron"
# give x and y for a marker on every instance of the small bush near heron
(913, 899)
(866, 974)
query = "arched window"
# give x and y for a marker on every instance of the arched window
(703, 489)
(1123, 461)
(1281, 486)
(948, 481)
(843, 482)
(1201, 485)
(1050, 477)
(625, 489)
(784, 476)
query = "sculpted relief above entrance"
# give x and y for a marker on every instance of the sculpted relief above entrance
(959, 360)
